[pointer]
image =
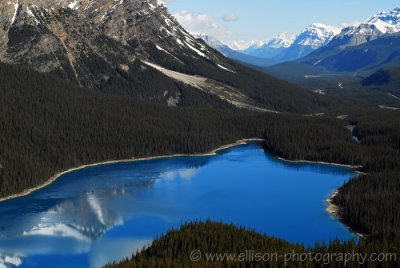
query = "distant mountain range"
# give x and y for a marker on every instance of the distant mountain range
(285, 48)
(271, 48)
(368, 46)
(282, 48)
(227, 51)
(317, 40)
(372, 28)
(362, 62)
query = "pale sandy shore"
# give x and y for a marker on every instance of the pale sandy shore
(58, 175)
(319, 162)
(333, 210)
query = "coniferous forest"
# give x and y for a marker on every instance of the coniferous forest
(48, 126)
(213, 244)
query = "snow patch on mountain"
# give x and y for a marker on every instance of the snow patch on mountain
(75, 4)
(16, 6)
(224, 68)
(162, 2)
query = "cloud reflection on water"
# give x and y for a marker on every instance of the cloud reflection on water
(86, 211)
(104, 213)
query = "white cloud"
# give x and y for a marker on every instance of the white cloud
(188, 174)
(57, 230)
(201, 23)
(7, 261)
(230, 17)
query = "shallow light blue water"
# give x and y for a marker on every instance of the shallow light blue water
(99, 214)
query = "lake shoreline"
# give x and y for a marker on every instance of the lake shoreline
(333, 210)
(321, 163)
(60, 174)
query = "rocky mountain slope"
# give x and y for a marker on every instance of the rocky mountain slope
(136, 48)
(374, 27)
(378, 53)
(93, 43)
(107, 45)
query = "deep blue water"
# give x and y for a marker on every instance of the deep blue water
(99, 214)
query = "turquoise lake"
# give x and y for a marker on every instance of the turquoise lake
(99, 214)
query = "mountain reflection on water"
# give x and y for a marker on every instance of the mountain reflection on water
(104, 213)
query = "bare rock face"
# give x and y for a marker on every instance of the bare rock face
(97, 42)
(53, 39)
(357, 35)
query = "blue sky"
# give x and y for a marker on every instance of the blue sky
(231, 20)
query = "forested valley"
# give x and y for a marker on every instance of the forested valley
(48, 126)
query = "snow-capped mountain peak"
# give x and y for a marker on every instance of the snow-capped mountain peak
(243, 45)
(386, 22)
(283, 40)
(287, 47)
(317, 35)
(380, 24)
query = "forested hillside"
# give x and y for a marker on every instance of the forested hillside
(48, 126)
(213, 244)
(369, 203)
(387, 79)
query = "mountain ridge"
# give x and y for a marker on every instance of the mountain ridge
(228, 52)
(320, 37)
(354, 54)
(285, 48)
(105, 45)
